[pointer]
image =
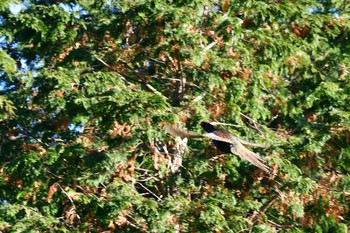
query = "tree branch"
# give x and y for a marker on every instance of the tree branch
(253, 121)
(123, 77)
(111, 68)
(152, 193)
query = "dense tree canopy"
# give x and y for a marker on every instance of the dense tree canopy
(87, 86)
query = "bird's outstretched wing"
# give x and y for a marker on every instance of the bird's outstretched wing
(239, 144)
(250, 156)
(182, 133)
(190, 134)
(252, 144)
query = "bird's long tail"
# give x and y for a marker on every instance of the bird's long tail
(181, 133)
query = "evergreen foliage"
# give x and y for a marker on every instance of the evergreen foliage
(86, 87)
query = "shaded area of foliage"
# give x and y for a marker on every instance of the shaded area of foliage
(86, 87)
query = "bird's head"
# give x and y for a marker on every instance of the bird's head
(207, 126)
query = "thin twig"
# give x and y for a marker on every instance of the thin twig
(151, 88)
(217, 157)
(254, 122)
(70, 199)
(63, 191)
(272, 119)
(149, 178)
(157, 60)
(267, 90)
(195, 100)
(275, 224)
(122, 76)
(56, 139)
(142, 169)
(57, 176)
(209, 46)
(143, 81)
(177, 80)
(263, 209)
(243, 230)
(172, 61)
(111, 68)
(157, 197)
(220, 123)
(183, 82)
(131, 224)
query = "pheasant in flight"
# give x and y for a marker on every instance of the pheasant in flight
(225, 142)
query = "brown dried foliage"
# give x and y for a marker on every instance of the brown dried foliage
(123, 130)
(246, 73)
(126, 171)
(218, 109)
(52, 190)
(298, 30)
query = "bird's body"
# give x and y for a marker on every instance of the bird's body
(222, 146)
(226, 143)
(234, 146)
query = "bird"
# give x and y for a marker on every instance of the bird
(225, 142)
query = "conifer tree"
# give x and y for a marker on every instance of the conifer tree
(87, 86)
